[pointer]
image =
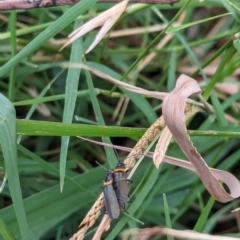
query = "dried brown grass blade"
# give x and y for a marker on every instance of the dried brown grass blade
(147, 233)
(173, 113)
(106, 19)
(152, 94)
(103, 227)
(90, 218)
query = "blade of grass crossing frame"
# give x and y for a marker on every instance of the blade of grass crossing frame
(4, 231)
(209, 89)
(50, 167)
(171, 78)
(204, 215)
(236, 43)
(50, 208)
(217, 76)
(9, 149)
(167, 215)
(41, 95)
(48, 33)
(156, 40)
(100, 120)
(212, 221)
(82, 93)
(137, 99)
(31, 128)
(216, 104)
(70, 100)
(187, 25)
(11, 89)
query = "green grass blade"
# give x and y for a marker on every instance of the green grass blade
(100, 120)
(187, 25)
(9, 149)
(83, 93)
(217, 76)
(138, 100)
(49, 208)
(204, 215)
(11, 89)
(32, 128)
(50, 167)
(5, 232)
(27, 30)
(167, 215)
(156, 40)
(43, 128)
(42, 94)
(236, 42)
(212, 221)
(70, 100)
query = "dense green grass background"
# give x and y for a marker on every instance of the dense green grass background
(52, 178)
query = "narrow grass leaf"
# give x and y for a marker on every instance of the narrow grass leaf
(83, 93)
(236, 42)
(50, 167)
(155, 40)
(26, 30)
(9, 149)
(167, 215)
(11, 88)
(48, 208)
(204, 215)
(5, 232)
(187, 25)
(100, 120)
(212, 220)
(70, 101)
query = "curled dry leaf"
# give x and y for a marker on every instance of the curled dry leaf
(147, 233)
(106, 19)
(173, 113)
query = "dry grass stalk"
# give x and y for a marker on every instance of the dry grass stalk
(147, 233)
(90, 218)
(103, 227)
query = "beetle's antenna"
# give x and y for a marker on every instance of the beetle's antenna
(101, 165)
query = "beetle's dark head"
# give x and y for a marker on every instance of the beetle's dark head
(121, 167)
